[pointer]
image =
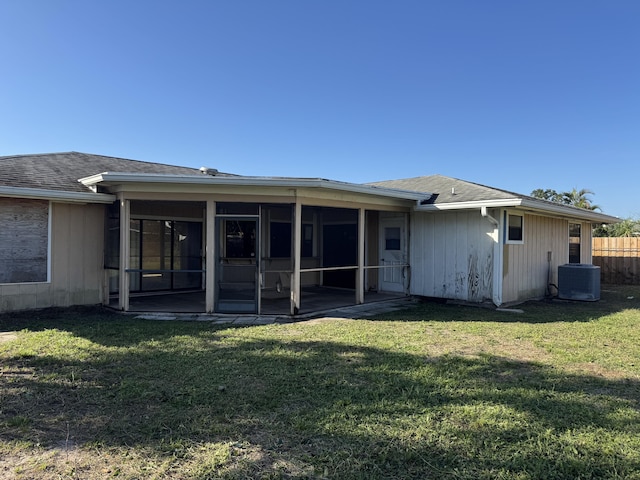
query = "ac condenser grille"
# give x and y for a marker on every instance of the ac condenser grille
(578, 281)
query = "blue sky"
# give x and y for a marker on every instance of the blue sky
(513, 94)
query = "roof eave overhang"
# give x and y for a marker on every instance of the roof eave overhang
(436, 207)
(108, 178)
(56, 195)
(531, 205)
(568, 211)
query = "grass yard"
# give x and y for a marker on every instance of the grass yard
(439, 391)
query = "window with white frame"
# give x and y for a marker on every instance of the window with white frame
(514, 232)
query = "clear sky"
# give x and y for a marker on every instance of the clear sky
(513, 94)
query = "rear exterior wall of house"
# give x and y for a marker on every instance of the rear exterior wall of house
(526, 269)
(452, 255)
(63, 243)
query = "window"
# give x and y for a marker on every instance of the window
(112, 246)
(574, 243)
(515, 228)
(392, 238)
(280, 240)
(24, 240)
(307, 240)
(112, 237)
(161, 248)
(228, 208)
(240, 238)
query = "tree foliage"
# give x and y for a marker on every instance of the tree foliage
(548, 194)
(629, 227)
(576, 198)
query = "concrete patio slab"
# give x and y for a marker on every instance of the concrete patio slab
(351, 312)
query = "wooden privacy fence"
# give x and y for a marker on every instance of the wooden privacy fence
(618, 259)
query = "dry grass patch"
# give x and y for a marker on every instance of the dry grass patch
(7, 336)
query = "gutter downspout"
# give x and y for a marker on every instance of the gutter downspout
(497, 259)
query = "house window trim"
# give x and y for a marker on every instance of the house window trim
(507, 240)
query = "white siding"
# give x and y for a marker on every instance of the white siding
(586, 243)
(451, 255)
(526, 270)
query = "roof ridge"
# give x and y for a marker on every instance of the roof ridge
(19, 155)
(486, 186)
(447, 177)
(85, 154)
(131, 160)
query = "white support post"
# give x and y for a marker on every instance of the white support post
(125, 253)
(210, 254)
(361, 258)
(297, 253)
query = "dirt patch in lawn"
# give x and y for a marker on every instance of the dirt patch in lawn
(7, 336)
(321, 320)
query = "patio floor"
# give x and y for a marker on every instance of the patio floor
(313, 300)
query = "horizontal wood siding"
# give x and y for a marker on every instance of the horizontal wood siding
(451, 255)
(526, 271)
(76, 263)
(618, 259)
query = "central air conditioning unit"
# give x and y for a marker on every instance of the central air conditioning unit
(578, 281)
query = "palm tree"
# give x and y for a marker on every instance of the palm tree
(578, 198)
(548, 194)
(628, 227)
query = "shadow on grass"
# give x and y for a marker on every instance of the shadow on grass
(328, 407)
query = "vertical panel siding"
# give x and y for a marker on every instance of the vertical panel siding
(77, 243)
(76, 262)
(526, 269)
(586, 243)
(451, 255)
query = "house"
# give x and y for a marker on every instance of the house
(475, 243)
(82, 229)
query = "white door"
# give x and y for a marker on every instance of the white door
(393, 253)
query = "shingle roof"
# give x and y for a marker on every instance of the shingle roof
(61, 171)
(449, 190)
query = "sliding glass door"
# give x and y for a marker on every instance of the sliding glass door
(165, 255)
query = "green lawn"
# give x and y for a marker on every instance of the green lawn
(439, 391)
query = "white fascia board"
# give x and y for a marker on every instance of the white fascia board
(113, 178)
(568, 211)
(535, 206)
(56, 195)
(509, 202)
